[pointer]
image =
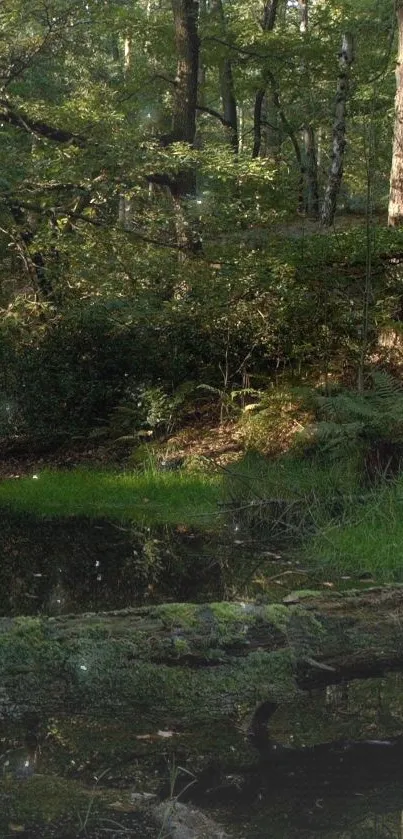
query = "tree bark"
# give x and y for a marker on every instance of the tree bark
(188, 661)
(185, 14)
(269, 15)
(268, 23)
(311, 198)
(395, 212)
(311, 173)
(339, 132)
(227, 85)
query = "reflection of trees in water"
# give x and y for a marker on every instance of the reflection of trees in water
(53, 566)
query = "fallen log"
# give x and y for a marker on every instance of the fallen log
(182, 662)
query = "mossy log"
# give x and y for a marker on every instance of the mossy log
(197, 662)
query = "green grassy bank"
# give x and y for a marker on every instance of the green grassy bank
(368, 539)
(149, 497)
(330, 519)
(323, 514)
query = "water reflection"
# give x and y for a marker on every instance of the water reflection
(55, 566)
(313, 794)
(310, 783)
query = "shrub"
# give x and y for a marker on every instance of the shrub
(369, 425)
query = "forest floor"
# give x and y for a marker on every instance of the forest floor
(207, 444)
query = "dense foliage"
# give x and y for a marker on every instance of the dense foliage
(158, 225)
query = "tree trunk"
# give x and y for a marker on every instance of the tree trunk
(125, 208)
(269, 15)
(268, 23)
(311, 174)
(185, 14)
(339, 132)
(190, 662)
(395, 213)
(227, 84)
(311, 198)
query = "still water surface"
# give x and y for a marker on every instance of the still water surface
(74, 775)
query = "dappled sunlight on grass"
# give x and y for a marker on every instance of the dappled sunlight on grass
(151, 497)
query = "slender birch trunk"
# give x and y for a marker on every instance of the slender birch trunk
(125, 209)
(395, 212)
(339, 132)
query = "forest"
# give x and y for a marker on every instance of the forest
(200, 242)
(201, 417)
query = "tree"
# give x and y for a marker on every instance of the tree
(230, 117)
(339, 131)
(185, 13)
(261, 105)
(311, 198)
(395, 211)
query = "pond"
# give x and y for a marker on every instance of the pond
(332, 767)
(56, 565)
(74, 775)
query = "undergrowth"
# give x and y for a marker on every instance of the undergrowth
(289, 496)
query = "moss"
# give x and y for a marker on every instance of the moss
(44, 797)
(229, 612)
(52, 663)
(181, 647)
(27, 646)
(304, 594)
(277, 615)
(181, 615)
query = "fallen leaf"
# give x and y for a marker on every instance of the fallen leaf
(123, 807)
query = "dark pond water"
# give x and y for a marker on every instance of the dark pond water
(55, 566)
(73, 775)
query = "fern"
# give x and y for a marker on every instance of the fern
(371, 422)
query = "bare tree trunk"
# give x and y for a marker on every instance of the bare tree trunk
(311, 173)
(395, 213)
(227, 85)
(269, 15)
(125, 209)
(183, 185)
(184, 110)
(268, 23)
(339, 132)
(229, 103)
(311, 163)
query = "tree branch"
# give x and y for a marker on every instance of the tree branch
(240, 50)
(38, 128)
(213, 113)
(70, 214)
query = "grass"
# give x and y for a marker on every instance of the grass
(289, 493)
(332, 524)
(369, 539)
(288, 477)
(364, 535)
(149, 497)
